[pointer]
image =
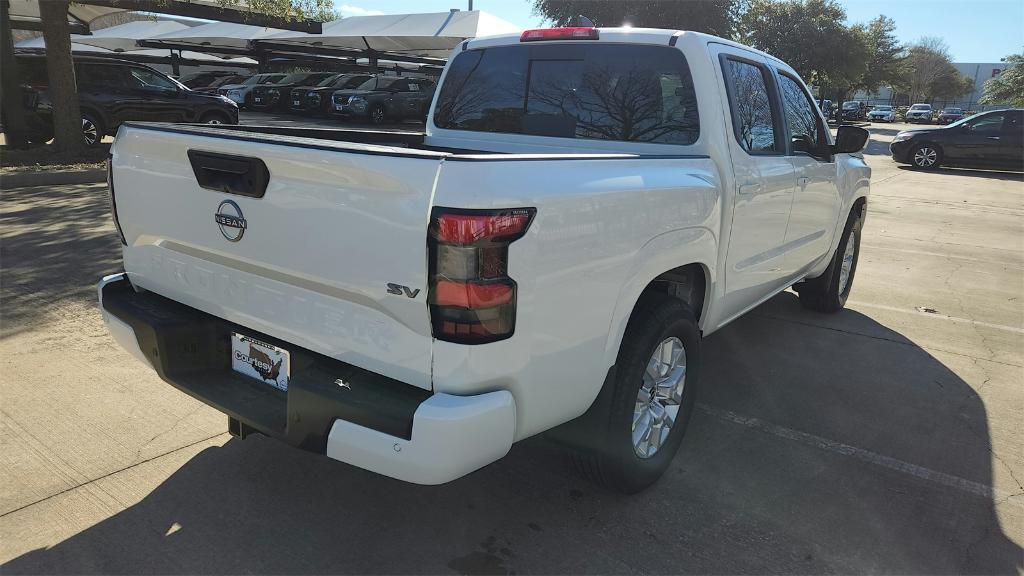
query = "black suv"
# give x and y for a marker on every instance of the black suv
(385, 97)
(267, 97)
(316, 100)
(111, 92)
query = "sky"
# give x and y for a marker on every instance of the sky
(975, 30)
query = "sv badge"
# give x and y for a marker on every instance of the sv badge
(398, 290)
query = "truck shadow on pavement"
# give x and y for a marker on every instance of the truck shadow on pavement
(820, 444)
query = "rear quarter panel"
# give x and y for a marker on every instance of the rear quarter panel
(604, 228)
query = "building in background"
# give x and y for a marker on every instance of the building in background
(980, 72)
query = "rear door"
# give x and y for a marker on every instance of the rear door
(309, 259)
(1013, 139)
(764, 176)
(816, 198)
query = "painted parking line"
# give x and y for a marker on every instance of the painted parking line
(914, 470)
(937, 316)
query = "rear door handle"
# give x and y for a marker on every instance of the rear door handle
(752, 188)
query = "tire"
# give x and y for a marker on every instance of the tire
(377, 115)
(92, 129)
(215, 118)
(828, 293)
(926, 156)
(613, 458)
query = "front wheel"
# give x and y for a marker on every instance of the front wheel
(828, 292)
(926, 157)
(92, 130)
(377, 115)
(638, 432)
(215, 118)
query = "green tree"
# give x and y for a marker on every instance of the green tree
(886, 60)
(1008, 86)
(717, 17)
(61, 71)
(931, 74)
(810, 36)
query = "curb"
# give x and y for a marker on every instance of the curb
(55, 178)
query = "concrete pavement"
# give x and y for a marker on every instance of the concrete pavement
(885, 438)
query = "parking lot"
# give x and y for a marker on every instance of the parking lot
(886, 438)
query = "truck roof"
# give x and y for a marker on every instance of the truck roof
(626, 35)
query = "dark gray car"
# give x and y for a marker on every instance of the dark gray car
(385, 98)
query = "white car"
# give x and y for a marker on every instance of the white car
(546, 257)
(882, 114)
(238, 92)
(919, 113)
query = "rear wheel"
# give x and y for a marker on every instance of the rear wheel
(828, 292)
(926, 157)
(92, 130)
(215, 118)
(636, 435)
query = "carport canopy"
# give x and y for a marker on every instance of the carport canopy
(224, 37)
(428, 34)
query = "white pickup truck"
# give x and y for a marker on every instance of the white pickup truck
(585, 205)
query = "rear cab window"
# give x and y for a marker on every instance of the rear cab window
(629, 93)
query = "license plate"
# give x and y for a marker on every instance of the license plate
(259, 360)
(257, 99)
(339, 107)
(296, 102)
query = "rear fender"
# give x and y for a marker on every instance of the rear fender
(696, 245)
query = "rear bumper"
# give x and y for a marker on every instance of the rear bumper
(331, 407)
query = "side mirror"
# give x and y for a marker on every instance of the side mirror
(850, 139)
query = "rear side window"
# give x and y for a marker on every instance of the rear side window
(751, 106)
(100, 75)
(599, 92)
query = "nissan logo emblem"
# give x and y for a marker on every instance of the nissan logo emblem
(230, 221)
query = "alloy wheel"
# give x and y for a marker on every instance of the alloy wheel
(657, 402)
(847, 266)
(90, 133)
(925, 157)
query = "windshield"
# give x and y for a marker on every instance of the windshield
(329, 81)
(883, 108)
(601, 92)
(378, 83)
(920, 107)
(953, 111)
(293, 78)
(851, 105)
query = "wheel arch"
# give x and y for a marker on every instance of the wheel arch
(679, 263)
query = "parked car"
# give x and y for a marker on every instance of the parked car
(277, 96)
(950, 115)
(853, 110)
(316, 100)
(204, 78)
(920, 113)
(239, 93)
(882, 114)
(568, 195)
(826, 107)
(989, 140)
(214, 86)
(384, 98)
(111, 92)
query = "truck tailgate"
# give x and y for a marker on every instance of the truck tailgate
(317, 251)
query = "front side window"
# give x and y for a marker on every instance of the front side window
(801, 118)
(751, 106)
(149, 80)
(597, 92)
(988, 124)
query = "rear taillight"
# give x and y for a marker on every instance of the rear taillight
(472, 299)
(113, 202)
(567, 33)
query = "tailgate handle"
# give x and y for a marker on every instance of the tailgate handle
(241, 175)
